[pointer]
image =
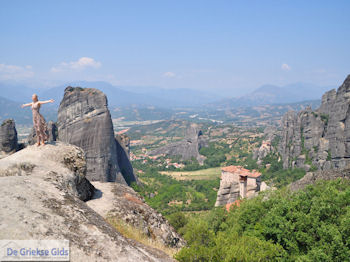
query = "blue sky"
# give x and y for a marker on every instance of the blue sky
(229, 47)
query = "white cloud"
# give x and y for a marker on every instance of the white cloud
(169, 74)
(13, 72)
(80, 64)
(285, 67)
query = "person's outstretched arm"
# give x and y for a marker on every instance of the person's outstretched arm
(46, 102)
(24, 105)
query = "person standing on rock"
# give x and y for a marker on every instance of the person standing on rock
(38, 120)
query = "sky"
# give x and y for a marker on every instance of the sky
(223, 46)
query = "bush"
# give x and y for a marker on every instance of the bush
(177, 220)
(309, 225)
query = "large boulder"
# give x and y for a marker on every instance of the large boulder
(62, 164)
(41, 188)
(85, 121)
(8, 137)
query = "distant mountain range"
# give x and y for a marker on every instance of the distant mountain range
(142, 96)
(153, 101)
(272, 94)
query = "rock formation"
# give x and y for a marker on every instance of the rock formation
(122, 204)
(237, 182)
(312, 177)
(51, 132)
(64, 165)
(319, 139)
(40, 191)
(124, 141)
(260, 153)
(8, 137)
(187, 148)
(85, 121)
(123, 158)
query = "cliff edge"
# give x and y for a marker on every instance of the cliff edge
(41, 192)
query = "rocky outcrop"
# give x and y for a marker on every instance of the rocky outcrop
(62, 164)
(270, 133)
(312, 177)
(8, 137)
(124, 141)
(260, 153)
(122, 204)
(85, 121)
(123, 158)
(40, 191)
(187, 148)
(319, 139)
(51, 132)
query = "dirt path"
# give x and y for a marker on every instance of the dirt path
(102, 201)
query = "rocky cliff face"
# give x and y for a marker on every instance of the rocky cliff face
(41, 188)
(123, 158)
(8, 137)
(85, 121)
(186, 148)
(319, 139)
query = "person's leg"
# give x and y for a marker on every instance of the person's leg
(41, 137)
(38, 138)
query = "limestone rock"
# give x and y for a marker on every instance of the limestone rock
(8, 136)
(322, 136)
(85, 121)
(39, 194)
(116, 201)
(186, 148)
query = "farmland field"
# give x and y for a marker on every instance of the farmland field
(204, 174)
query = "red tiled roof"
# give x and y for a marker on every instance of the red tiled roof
(241, 171)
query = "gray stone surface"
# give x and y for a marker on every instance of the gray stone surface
(8, 137)
(123, 158)
(122, 203)
(227, 193)
(39, 200)
(186, 148)
(261, 152)
(319, 138)
(312, 177)
(85, 121)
